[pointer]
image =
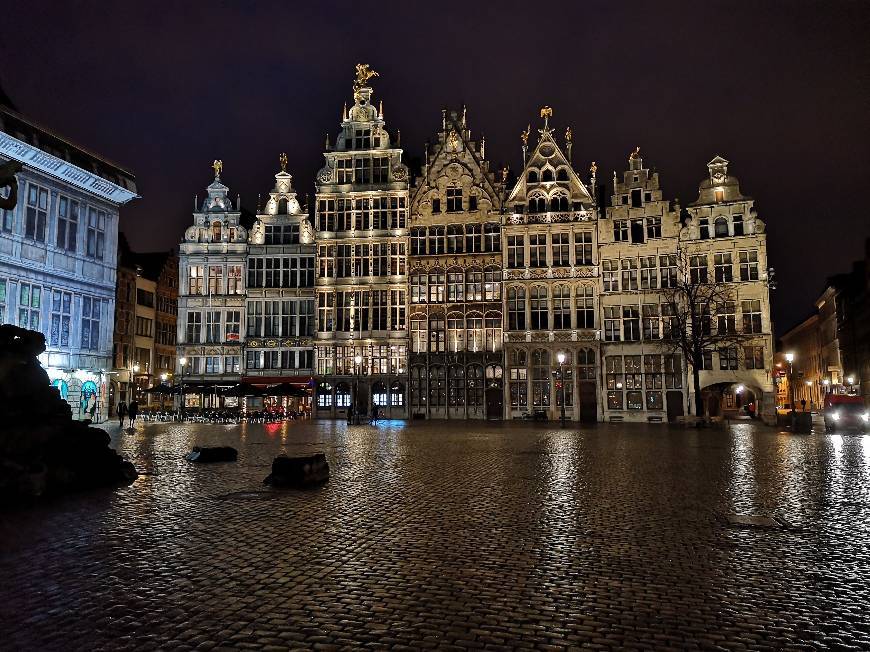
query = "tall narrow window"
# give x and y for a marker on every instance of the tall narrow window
(91, 323)
(748, 265)
(516, 303)
(516, 251)
(540, 317)
(585, 307)
(36, 213)
(96, 235)
(454, 199)
(561, 249)
(561, 307)
(583, 248)
(29, 306)
(538, 250)
(67, 224)
(61, 314)
(723, 267)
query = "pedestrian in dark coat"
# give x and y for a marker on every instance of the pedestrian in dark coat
(133, 410)
(122, 412)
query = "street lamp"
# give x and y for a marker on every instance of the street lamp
(357, 359)
(850, 380)
(789, 357)
(135, 382)
(182, 361)
(561, 358)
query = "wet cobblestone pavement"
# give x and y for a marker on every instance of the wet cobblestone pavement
(454, 535)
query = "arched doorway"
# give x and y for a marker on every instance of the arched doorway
(494, 392)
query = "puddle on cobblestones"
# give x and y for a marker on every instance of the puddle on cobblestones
(756, 521)
(250, 495)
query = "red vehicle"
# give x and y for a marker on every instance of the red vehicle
(843, 412)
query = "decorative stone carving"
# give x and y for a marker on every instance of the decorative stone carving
(325, 174)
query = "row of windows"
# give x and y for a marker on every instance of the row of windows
(454, 201)
(650, 321)
(355, 260)
(637, 230)
(213, 364)
(279, 359)
(280, 272)
(634, 380)
(280, 318)
(536, 369)
(453, 386)
(361, 310)
(363, 169)
(218, 279)
(437, 286)
(379, 359)
(59, 310)
(362, 213)
(456, 239)
(653, 272)
(533, 310)
(564, 249)
(71, 219)
(455, 333)
(219, 327)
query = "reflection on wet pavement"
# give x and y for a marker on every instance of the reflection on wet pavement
(454, 534)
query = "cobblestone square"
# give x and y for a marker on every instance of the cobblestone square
(454, 535)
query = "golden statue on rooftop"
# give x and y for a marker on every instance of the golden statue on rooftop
(636, 152)
(283, 161)
(524, 136)
(218, 167)
(546, 112)
(593, 168)
(363, 74)
(569, 135)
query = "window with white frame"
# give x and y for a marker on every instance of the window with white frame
(620, 230)
(67, 223)
(615, 382)
(193, 327)
(518, 379)
(748, 265)
(610, 275)
(654, 227)
(561, 307)
(231, 364)
(698, 269)
(751, 310)
(29, 306)
(583, 248)
(585, 307)
(455, 287)
(491, 237)
(195, 279)
(649, 277)
(455, 238)
(728, 357)
(668, 270)
(651, 326)
(723, 267)
(753, 357)
(537, 250)
(629, 274)
(493, 334)
(561, 249)
(234, 279)
(212, 326)
(454, 199)
(726, 317)
(91, 323)
(612, 324)
(631, 323)
(492, 284)
(3, 299)
(212, 364)
(36, 213)
(215, 278)
(516, 251)
(418, 335)
(539, 308)
(96, 234)
(737, 224)
(516, 304)
(474, 333)
(474, 285)
(455, 333)
(61, 316)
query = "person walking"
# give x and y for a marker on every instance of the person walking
(132, 411)
(122, 412)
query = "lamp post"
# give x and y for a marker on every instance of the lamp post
(561, 358)
(357, 360)
(789, 357)
(163, 378)
(810, 393)
(182, 361)
(850, 380)
(135, 382)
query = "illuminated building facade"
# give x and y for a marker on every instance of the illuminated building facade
(550, 259)
(58, 256)
(211, 301)
(361, 215)
(280, 290)
(455, 286)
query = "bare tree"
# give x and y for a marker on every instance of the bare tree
(700, 312)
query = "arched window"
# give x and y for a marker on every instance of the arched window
(547, 175)
(554, 204)
(437, 386)
(379, 395)
(563, 204)
(720, 227)
(533, 176)
(493, 336)
(215, 231)
(586, 364)
(324, 395)
(282, 206)
(533, 205)
(474, 331)
(562, 175)
(492, 284)
(455, 332)
(342, 395)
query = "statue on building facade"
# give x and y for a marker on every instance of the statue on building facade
(9, 180)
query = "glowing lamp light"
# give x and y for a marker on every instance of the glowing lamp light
(135, 369)
(560, 357)
(739, 389)
(789, 356)
(357, 359)
(164, 377)
(182, 361)
(826, 382)
(809, 383)
(850, 380)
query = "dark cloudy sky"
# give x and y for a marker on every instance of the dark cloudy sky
(778, 88)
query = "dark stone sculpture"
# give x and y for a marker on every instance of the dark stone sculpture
(207, 455)
(42, 450)
(298, 472)
(8, 180)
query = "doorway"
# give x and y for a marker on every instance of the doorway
(588, 402)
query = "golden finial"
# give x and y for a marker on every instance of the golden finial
(569, 135)
(546, 112)
(453, 139)
(283, 161)
(525, 135)
(218, 167)
(504, 175)
(363, 74)
(635, 153)
(593, 168)
(381, 109)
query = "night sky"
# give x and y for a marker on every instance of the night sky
(779, 89)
